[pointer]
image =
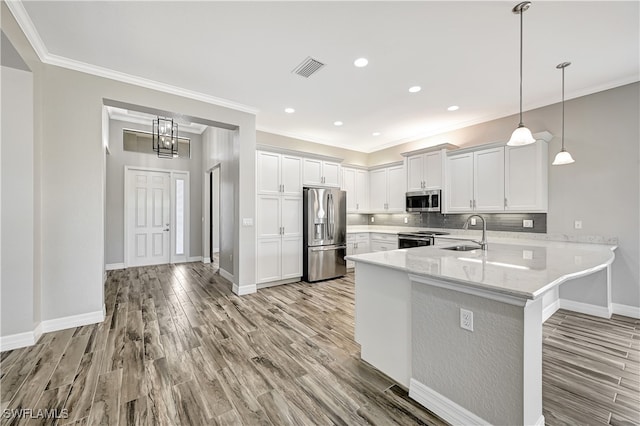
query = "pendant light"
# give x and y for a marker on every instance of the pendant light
(521, 135)
(165, 137)
(563, 157)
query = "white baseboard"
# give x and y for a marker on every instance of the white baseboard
(442, 406)
(226, 274)
(113, 266)
(586, 308)
(626, 310)
(30, 338)
(245, 289)
(15, 341)
(275, 283)
(550, 310)
(194, 259)
(206, 260)
(72, 321)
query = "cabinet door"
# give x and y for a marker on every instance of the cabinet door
(525, 177)
(331, 173)
(268, 173)
(396, 189)
(350, 250)
(433, 170)
(415, 175)
(488, 170)
(363, 247)
(312, 172)
(362, 190)
(291, 216)
(378, 190)
(268, 216)
(291, 175)
(291, 257)
(268, 262)
(349, 185)
(459, 193)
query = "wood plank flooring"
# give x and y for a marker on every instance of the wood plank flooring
(178, 347)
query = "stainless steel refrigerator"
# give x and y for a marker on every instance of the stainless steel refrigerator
(324, 220)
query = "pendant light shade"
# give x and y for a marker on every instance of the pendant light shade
(563, 157)
(522, 135)
(165, 137)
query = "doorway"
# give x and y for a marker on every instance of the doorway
(214, 215)
(156, 216)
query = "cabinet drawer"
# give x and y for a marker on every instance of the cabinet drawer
(351, 238)
(384, 237)
(383, 246)
(362, 238)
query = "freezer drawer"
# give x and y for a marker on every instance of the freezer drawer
(324, 262)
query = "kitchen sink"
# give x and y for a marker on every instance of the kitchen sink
(461, 248)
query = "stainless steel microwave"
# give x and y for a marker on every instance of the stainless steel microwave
(424, 201)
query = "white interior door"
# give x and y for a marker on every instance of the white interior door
(148, 215)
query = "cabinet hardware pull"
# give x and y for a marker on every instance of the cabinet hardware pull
(470, 204)
(474, 204)
(357, 206)
(505, 203)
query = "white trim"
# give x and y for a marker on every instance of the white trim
(275, 283)
(626, 310)
(302, 154)
(16, 341)
(114, 266)
(245, 289)
(586, 308)
(226, 275)
(551, 309)
(206, 260)
(442, 406)
(194, 259)
(37, 332)
(73, 321)
(474, 291)
(27, 26)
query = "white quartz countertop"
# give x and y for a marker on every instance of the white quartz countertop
(516, 267)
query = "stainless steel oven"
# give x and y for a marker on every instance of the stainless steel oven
(417, 239)
(423, 201)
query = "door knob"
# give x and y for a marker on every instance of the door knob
(166, 229)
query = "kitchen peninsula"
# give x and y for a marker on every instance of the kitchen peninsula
(409, 322)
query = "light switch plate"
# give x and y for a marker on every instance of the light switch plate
(247, 221)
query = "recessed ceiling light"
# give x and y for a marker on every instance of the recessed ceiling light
(376, 133)
(415, 89)
(338, 123)
(289, 110)
(453, 108)
(361, 62)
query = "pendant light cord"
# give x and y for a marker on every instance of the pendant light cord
(521, 44)
(563, 108)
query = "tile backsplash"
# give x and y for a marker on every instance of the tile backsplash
(511, 222)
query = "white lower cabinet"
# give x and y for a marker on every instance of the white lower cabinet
(279, 242)
(357, 244)
(383, 242)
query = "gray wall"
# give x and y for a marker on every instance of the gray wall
(20, 310)
(601, 188)
(118, 159)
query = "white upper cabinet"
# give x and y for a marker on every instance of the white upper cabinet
(424, 171)
(496, 179)
(321, 173)
(488, 176)
(278, 174)
(526, 178)
(356, 183)
(387, 189)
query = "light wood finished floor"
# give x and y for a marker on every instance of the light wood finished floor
(177, 347)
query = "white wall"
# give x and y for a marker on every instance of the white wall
(19, 311)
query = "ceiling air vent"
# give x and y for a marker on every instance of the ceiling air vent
(308, 67)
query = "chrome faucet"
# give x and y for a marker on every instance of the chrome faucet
(483, 243)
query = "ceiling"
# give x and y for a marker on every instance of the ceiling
(241, 54)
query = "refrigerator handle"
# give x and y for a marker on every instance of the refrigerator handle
(330, 213)
(328, 248)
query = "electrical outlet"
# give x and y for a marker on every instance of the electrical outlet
(406, 220)
(577, 224)
(527, 223)
(466, 319)
(473, 221)
(373, 219)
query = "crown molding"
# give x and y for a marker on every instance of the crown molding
(26, 24)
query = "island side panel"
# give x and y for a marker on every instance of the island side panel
(383, 320)
(492, 374)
